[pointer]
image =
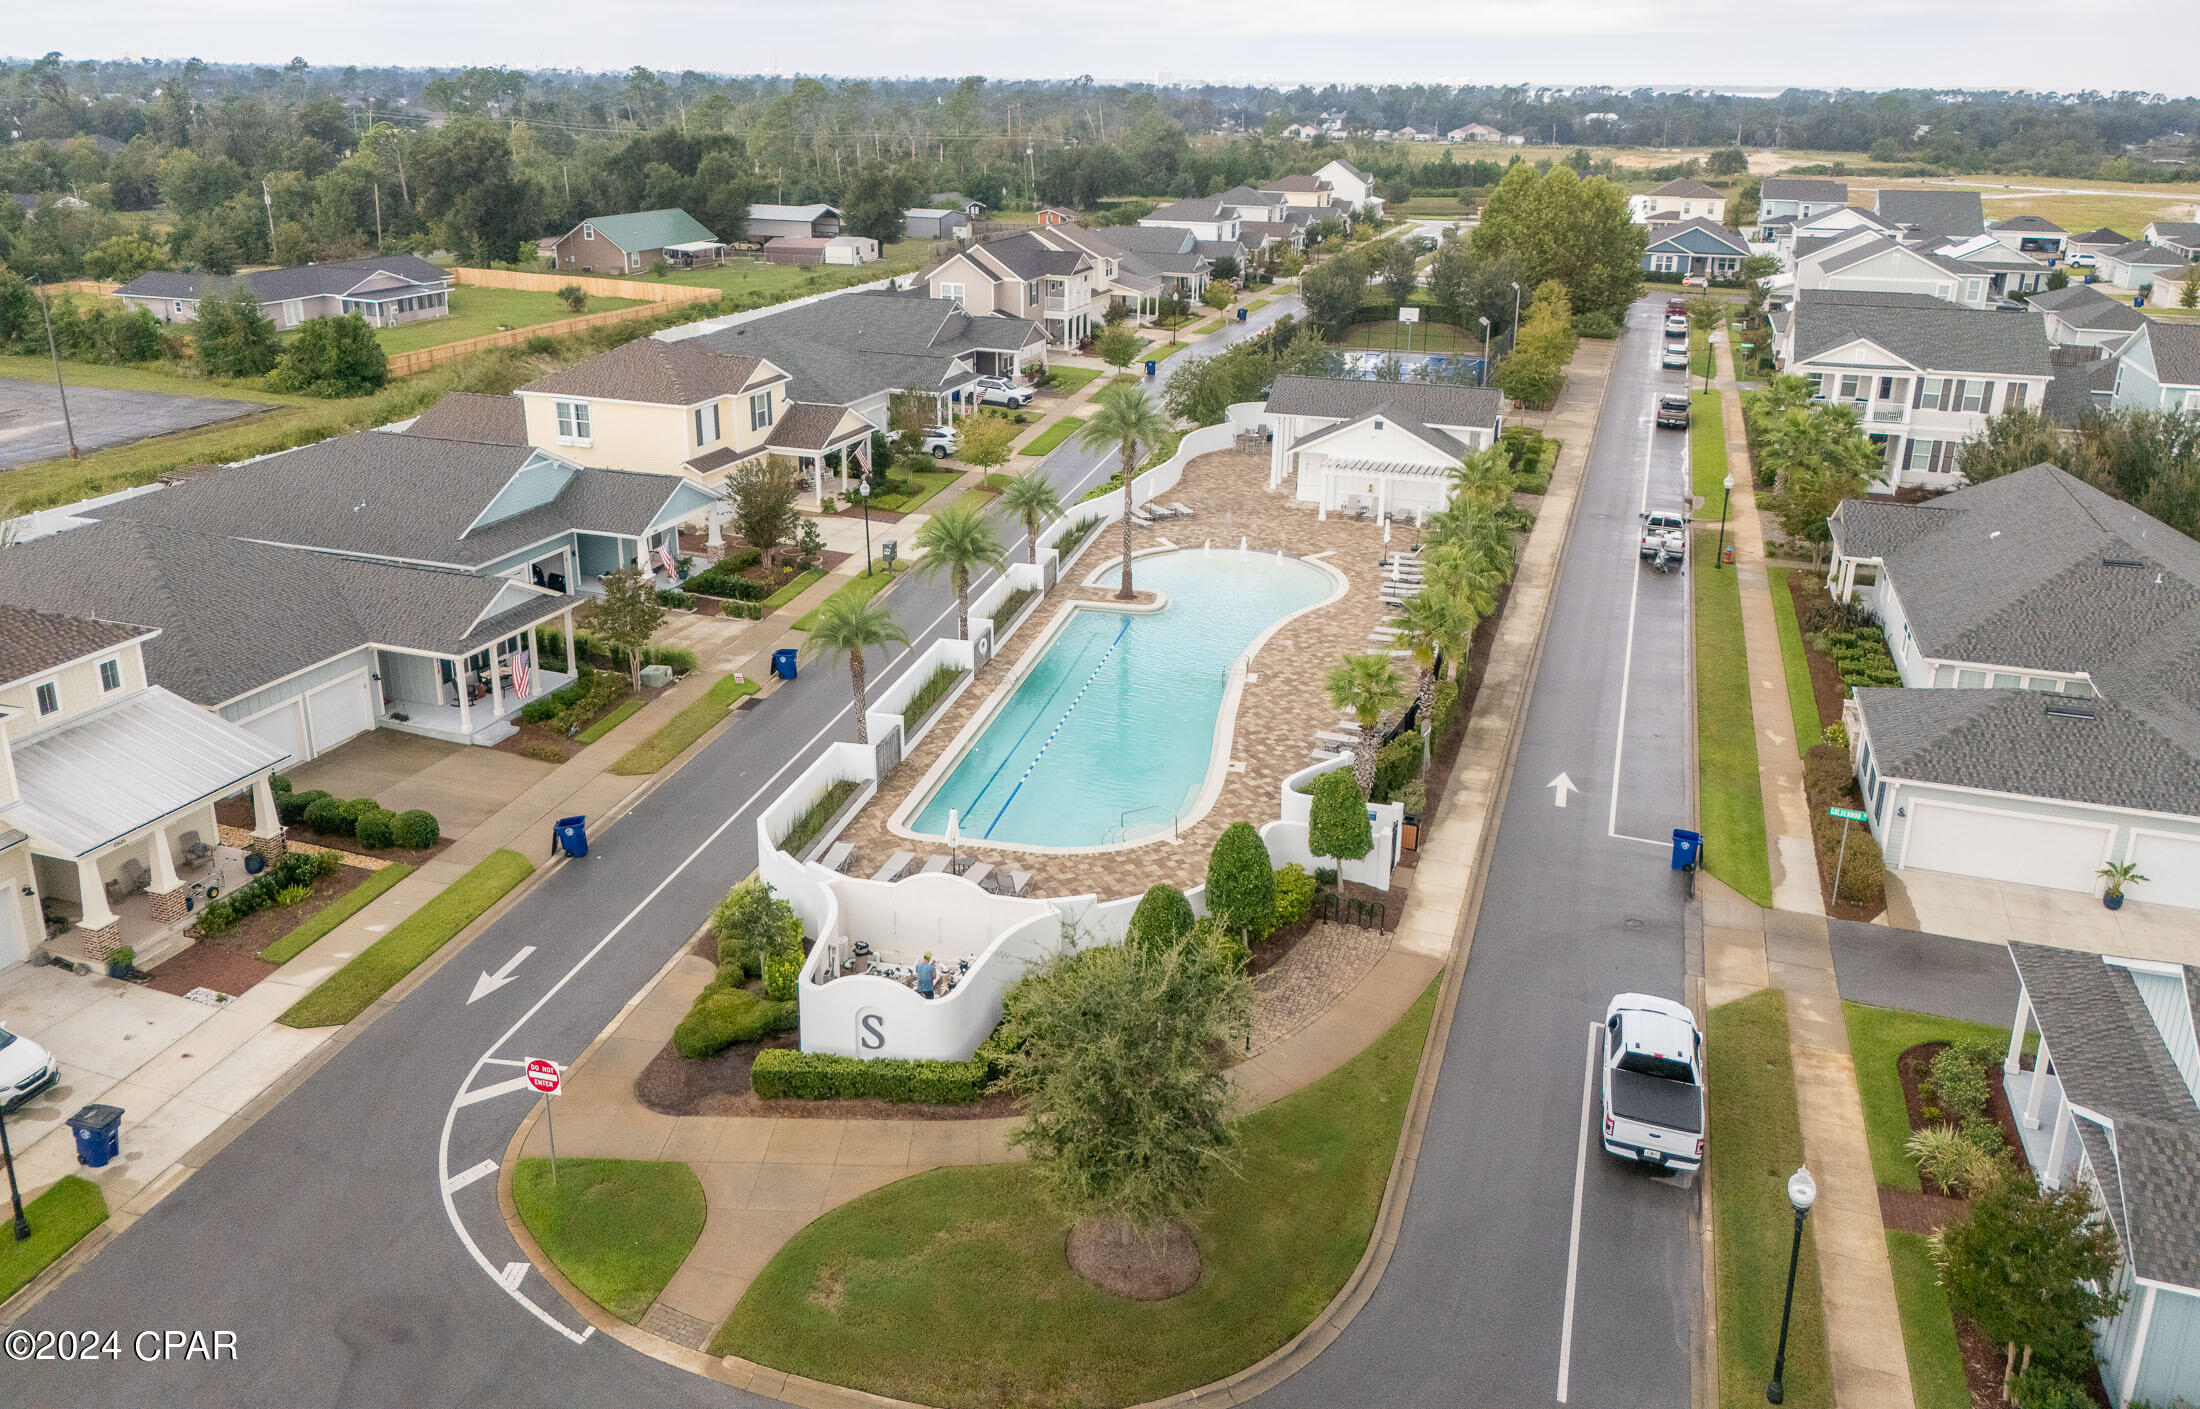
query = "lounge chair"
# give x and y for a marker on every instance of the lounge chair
(934, 865)
(978, 871)
(1017, 880)
(836, 856)
(894, 866)
(1183, 511)
(1138, 516)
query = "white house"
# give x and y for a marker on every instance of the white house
(2181, 236)
(1798, 198)
(2047, 636)
(2160, 370)
(1208, 218)
(1923, 374)
(1380, 448)
(1684, 199)
(1474, 132)
(1864, 261)
(2011, 271)
(2134, 266)
(1350, 187)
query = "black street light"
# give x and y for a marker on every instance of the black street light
(863, 495)
(1484, 379)
(1726, 492)
(1802, 1192)
(15, 1190)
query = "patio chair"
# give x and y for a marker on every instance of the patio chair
(894, 866)
(1183, 511)
(1138, 516)
(978, 872)
(193, 851)
(1017, 880)
(934, 865)
(836, 856)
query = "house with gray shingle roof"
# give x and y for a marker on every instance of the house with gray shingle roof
(2080, 315)
(1954, 214)
(2096, 242)
(2134, 266)
(1867, 261)
(2034, 235)
(2181, 236)
(1923, 374)
(1022, 276)
(1370, 447)
(386, 290)
(2160, 370)
(1683, 199)
(1207, 218)
(1798, 198)
(2048, 640)
(2112, 1105)
(636, 242)
(1694, 246)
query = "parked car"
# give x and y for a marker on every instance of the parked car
(938, 441)
(1673, 411)
(1676, 325)
(25, 1069)
(2082, 261)
(1676, 304)
(1653, 1082)
(1000, 391)
(1676, 355)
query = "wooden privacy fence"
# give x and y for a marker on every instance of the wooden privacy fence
(647, 290)
(97, 288)
(656, 298)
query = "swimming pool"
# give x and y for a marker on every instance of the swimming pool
(1110, 735)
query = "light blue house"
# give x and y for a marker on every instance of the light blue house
(1701, 247)
(2113, 1102)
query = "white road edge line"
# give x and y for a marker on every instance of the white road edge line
(1573, 1240)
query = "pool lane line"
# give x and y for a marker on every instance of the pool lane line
(1099, 666)
(1008, 753)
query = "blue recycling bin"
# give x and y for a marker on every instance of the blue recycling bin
(1687, 848)
(783, 662)
(570, 836)
(1242, 312)
(1151, 364)
(98, 1135)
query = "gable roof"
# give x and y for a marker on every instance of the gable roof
(34, 642)
(1024, 256)
(1803, 188)
(2175, 348)
(1928, 333)
(649, 229)
(1696, 235)
(336, 277)
(1348, 166)
(2083, 306)
(1202, 208)
(466, 415)
(1303, 182)
(1347, 398)
(1442, 442)
(2140, 252)
(679, 373)
(1942, 212)
(2102, 236)
(951, 198)
(1689, 188)
(767, 211)
(2029, 222)
(1869, 246)
(841, 350)
(1841, 218)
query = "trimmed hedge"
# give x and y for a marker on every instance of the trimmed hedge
(783, 1073)
(299, 868)
(1163, 916)
(1397, 763)
(291, 808)
(416, 829)
(376, 829)
(729, 1014)
(1294, 895)
(1241, 882)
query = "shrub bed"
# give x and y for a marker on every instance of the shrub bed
(785, 1073)
(1012, 605)
(569, 708)
(293, 874)
(1074, 536)
(726, 1013)
(928, 697)
(1860, 654)
(1829, 779)
(817, 815)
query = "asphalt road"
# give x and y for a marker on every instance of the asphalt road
(31, 423)
(340, 1238)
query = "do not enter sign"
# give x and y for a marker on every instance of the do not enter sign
(543, 1075)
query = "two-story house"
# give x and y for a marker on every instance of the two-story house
(1923, 374)
(1683, 199)
(2033, 235)
(2048, 638)
(1385, 449)
(1207, 218)
(386, 290)
(2160, 368)
(1802, 236)
(2079, 315)
(107, 789)
(2180, 236)
(1176, 259)
(1350, 187)
(1305, 189)
(1021, 277)
(1953, 215)
(1793, 200)
(2012, 272)
(1694, 246)
(1865, 261)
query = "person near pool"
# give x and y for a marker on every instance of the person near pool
(927, 973)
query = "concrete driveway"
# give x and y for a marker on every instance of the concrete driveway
(1999, 911)
(463, 785)
(31, 428)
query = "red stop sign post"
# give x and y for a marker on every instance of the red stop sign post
(545, 1076)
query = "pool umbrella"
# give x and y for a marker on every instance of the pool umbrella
(954, 841)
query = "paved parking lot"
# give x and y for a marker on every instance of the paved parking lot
(30, 418)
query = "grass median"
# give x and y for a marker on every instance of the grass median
(1730, 804)
(1052, 436)
(1795, 665)
(312, 931)
(619, 1228)
(793, 588)
(610, 721)
(59, 1219)
(1071, 380)
(1937, 1380)
(1877, 1038)
(683, 728)
(1706, 446)
(951, 1288)
(347, 993)
(859, 587)
(1754, 1144)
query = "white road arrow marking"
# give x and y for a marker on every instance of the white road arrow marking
(489, 983)
(1560, 786)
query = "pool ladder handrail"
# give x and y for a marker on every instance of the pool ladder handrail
(1123, 820)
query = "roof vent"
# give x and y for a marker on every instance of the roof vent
(2058, 708)
(2121, 563)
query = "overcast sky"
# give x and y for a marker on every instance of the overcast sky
(1861, 43)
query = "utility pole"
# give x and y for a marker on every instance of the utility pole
(378, 215)
(267, 199)
(53, 348)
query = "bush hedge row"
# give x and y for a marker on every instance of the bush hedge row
(361, 818)
(783, 1073)
(296, 871)
(726, 1013)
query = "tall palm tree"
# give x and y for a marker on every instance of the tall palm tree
(1466, 575)
(959, 540)
(1435, 625)
(1031, 498)
(1129, 422)
(1366, 688)
(848, 625)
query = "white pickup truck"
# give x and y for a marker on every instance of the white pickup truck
(1663, 531)
(1653, 1082)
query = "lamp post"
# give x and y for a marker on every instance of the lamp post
(1512, 339)
(1485, 377)
(1726, 492)
(15, 1190)
(1802, 1193)
(863, 496)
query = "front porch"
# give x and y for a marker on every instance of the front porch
(150, 925)
(470, 699)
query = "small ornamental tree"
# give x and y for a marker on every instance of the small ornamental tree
(2024, 1267)
(628, 614)
(574, 297)
(1117, 345)
(1338, 827)
(1241, 882)
(1217, 294)
(763, 493)
(986, 441)
(1162, 918)
(332, 357)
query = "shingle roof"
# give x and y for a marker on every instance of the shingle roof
(2111, 1058)
(649, 229)
(805, 427)
(767, 211)
(1803, 188)
(2178, 231)
(1200, 208)
(1442, 441)
(2029, 222)
(34, 642)
(466, 415)
(2072, 394)
(841, 350)
(2140, 252)
(1874, 246)
(2083, 306)
(1348, 399)
(1697, 225)
(2102, 236)
(2176, 351)
(1927, 333)
(337, 276)
(1688, 188)
(1942, 212)
(1025, 256)
(663, 373)
(1304, 182)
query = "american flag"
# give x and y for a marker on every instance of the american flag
(863, 456)
(672, 564)
(522, 671)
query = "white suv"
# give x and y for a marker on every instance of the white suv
(938, 441)
(1000, 391)
(25, 1069)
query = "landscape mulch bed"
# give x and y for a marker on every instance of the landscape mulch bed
(237, 812)
(1983, 1360)
(1825, 677)
(1906, 1212)
(1916, 1065)
(537, 741)
(228, 962)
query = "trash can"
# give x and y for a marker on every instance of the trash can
(1687, 848)
(570, 836)
(1241, 314)
(1151, 364)
(98, 1135)
(783, 662)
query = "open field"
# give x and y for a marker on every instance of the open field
(2127, 209)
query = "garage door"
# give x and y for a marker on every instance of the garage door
(2035, 851)
(2172, 868)
(338, 712)
(282, 728)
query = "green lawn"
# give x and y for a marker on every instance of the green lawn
(859, 587)
(929, 483)
(1258, 304)
(793, 588)
(759, 284)
(1052, 436)
(60, 1218)
(951, 1287)
(346, 993)
(167, 378)
(1162, 352)
(1877, 1036)
(477, 311)
(1795, 664)
(1205, 328)
(619, 1228)
(1411, 337)
(1699, 353)
(1730, 805)
(611, 721)
(1071, 380)
(684, 728)
(291, 945)
(1755, 1143)
(1937, 1380)
(1706, 446)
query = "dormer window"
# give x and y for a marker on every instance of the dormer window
(588, 230)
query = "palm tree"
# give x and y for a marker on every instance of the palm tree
(1465, 575)
(1031, 498)
(1127, 421)
(959, 540)
(1485, 477)
(849, 625)
(1435, 625)
(1367, 688)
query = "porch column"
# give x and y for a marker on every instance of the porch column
(465, 702)
(92, 895)
(1321, 512)
(2039, 1082)
(2015, 1060)
(641, 556)
(496, 685)
(572, 650)
(164, 863)
(1382, 498)
(2059, 1146)
(266, 822)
